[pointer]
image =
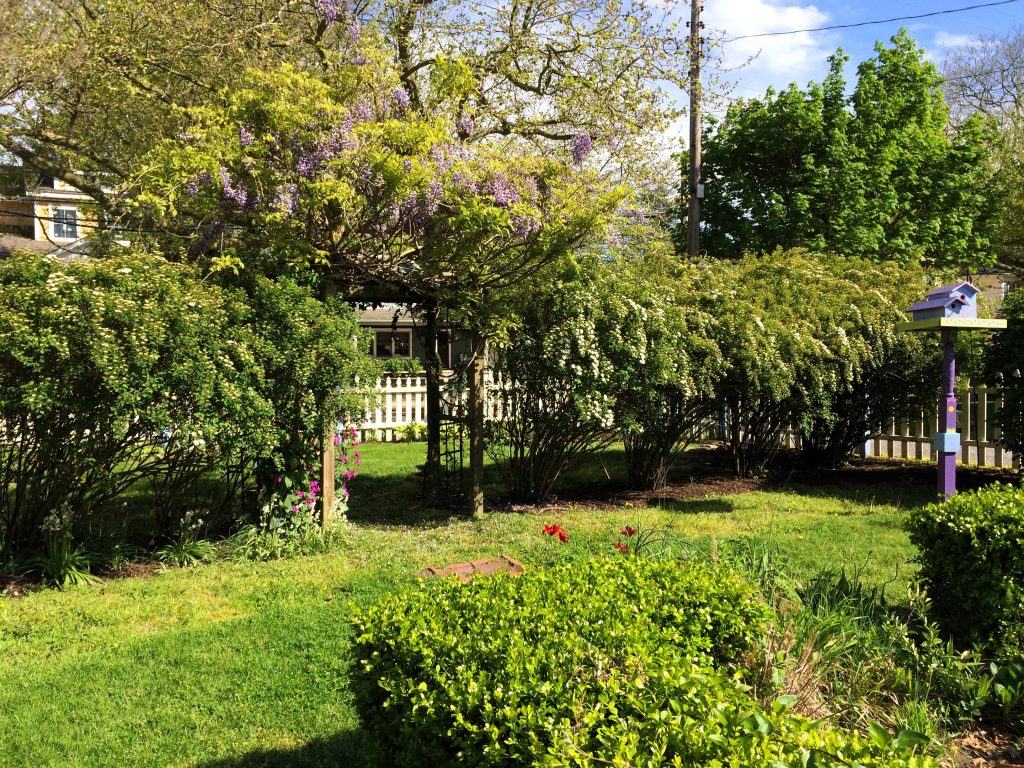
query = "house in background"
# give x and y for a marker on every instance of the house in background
(40, 213)
(397, 336)
(995, 285)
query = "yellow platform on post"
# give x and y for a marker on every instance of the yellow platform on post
(960, 323)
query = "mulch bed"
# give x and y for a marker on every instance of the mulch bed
(711, 477)
(988, 749)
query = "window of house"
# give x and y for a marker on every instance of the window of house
(392, 343)
(444, 349)
(65, 224)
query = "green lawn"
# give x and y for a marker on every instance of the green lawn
(237, 664)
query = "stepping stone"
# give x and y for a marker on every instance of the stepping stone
(474, 568)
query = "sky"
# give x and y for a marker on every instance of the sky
(802, 57)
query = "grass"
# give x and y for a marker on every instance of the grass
(238, 664)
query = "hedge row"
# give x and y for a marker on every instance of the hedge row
(130, 370)
(607, 662)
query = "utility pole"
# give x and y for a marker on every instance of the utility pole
(694, 186)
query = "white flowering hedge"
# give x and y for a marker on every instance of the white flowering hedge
(126, 369)
(809, 341)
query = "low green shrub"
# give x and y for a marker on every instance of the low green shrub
(972, 565)
(620, 661)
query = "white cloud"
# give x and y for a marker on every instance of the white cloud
(778, 60)
(951, 40)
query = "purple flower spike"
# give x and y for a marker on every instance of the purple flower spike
(236, 192)
(502, 191)
(363, 111)
(245, 135)
(327, 10)
(400, 98)
(465, 125)
(355, 30)
(582, 145)
(197, 181)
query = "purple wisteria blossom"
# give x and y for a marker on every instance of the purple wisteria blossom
(355, 30)
(407, 165)
(442, 156)
(364, 111)
(236, 192)
(197, 181)
(245, 135)
(502, 190)
(530, 188)
(286, 198)
(433, 197)
(636, 215)
(524, 226)
(582, 145)
(328, 10)
(465, 125)
(399, 100)
(465, 183)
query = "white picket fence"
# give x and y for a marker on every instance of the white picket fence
(912, 438)
(401, 404)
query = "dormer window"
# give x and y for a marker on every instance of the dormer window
(65, 224)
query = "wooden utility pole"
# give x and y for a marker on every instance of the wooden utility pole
(694, 186)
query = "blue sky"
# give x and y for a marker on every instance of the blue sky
(802, 57)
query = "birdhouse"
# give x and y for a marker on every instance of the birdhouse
(959, 300)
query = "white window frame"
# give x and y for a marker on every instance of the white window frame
(394, 333)
(55, 223)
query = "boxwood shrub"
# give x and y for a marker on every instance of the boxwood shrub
(607, 662)
(972, 564)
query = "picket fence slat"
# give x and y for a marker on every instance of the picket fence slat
(401, 401)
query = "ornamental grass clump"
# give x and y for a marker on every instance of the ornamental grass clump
(623, 661)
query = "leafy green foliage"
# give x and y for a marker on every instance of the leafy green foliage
(972, 564)
(876, 175)
(126, 369)
(621, 660)
(1005, 366)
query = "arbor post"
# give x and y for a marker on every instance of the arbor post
(432, 468)
(327, 450)
(477, 404)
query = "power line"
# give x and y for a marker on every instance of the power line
(876, 21)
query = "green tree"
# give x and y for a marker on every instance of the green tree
(876, 175)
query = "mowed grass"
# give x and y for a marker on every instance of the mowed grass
(239, 664)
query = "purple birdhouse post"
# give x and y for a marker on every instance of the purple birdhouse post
(948, 309)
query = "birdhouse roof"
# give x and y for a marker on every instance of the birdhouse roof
(944, 301)
(945, 290)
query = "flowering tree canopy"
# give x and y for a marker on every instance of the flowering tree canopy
(344, 178)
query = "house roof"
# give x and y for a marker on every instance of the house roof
(389, 314)
(11, 243)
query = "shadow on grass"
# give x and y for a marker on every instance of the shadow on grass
(347, 749)
(694, 506)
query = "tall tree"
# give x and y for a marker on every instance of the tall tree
(986, 77)
(875, 175)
